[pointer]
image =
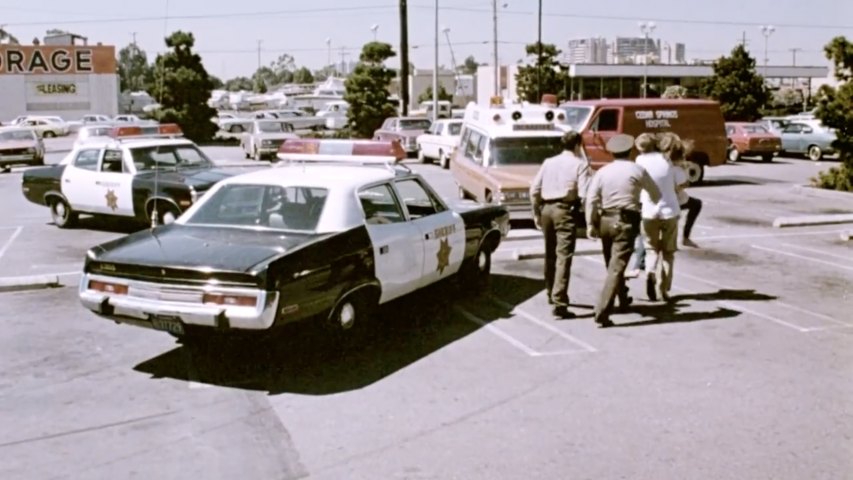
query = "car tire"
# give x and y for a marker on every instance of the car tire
(815, 154)
(695, 172)
(166, 213)
(443, 160)
(257, 155)
(48, 134)
(767, 158)
(475, 273)
(62, 214)
(349, 319)
(734, 155)
(423, 158)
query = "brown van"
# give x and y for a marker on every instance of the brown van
(699, 121)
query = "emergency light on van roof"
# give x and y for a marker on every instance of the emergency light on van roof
(306, 148)
(152, 131)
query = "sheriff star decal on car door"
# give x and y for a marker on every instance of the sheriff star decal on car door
(443, 255)
(112, 200)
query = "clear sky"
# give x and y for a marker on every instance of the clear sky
(227, 32)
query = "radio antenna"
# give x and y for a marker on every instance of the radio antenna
(155, 211)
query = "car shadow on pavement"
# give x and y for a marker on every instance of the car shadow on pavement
(733, 181)
(303, 359)
(656, 314)
(108, 225)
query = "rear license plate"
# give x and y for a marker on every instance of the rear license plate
(167, 324)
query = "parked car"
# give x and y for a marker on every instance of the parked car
(263, 137)
(439, 141)
(335, 114)
(751, 139)
(45, 127)
(299, 242)
(403, 129)
(20, 146)
(809, 138)
(93, 134)
(298, 118)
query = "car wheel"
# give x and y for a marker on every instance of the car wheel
(48, 134)
(695, 171)
(734, 155)
(443, 160)
(475, 274)
(166, 213)
(815, 153)
(348, 321)
(62, 214)
(767, 157)
(257, 155)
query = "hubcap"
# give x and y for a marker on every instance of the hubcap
(60, 209)
(346, 317)
(482, 261)
(168, 218)
(693, 171)
(814, 153)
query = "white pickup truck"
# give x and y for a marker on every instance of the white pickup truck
(439, 141)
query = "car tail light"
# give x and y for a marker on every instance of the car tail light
(230, 300)
(108, 287)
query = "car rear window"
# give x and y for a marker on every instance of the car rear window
(415, 124)
(755, 129)
(270, 206)
(524, 150)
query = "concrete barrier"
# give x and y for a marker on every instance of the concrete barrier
(31, 282)
(809, 220)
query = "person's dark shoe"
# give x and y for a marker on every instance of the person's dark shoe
(651, 287)
(562, 312)
(689, 243)
(625, 304)
(604, 323)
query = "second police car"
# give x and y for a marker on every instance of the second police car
(335, 229)
(139, 171)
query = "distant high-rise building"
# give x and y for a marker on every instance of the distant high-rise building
(680, 53)
(587, 50)
(629, 49)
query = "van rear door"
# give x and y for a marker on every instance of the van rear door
(606, 123)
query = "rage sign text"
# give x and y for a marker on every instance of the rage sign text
(36, 60)
(657, 118)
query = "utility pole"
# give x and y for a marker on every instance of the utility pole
(435, 70)
(404, 58)
(766, 30)
(495, 47)
(133, 34)
(794, 52)
(743, 39)
(539, 58)
(344, 56)
(259, 53)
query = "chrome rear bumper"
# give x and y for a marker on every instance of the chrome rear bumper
(146, 301)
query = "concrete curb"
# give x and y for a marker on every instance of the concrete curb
(31, 282)
(810, 191)
(809, 220)
(536, 254)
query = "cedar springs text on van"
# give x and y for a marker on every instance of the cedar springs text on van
(657, 118)
(58, 61)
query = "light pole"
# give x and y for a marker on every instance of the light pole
(539, 57)
(329, 59)
(767, 30)
(374, 28)
(647, 28)
(495, 47)
(435, 70)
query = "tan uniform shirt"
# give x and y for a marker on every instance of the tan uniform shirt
(617, 185)
(561, 177)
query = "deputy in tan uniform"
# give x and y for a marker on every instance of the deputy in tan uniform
(557, 192)
(613, 214)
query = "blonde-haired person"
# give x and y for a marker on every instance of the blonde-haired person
(660, 219)
(646, 143)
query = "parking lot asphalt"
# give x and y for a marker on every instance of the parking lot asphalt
(746, 375)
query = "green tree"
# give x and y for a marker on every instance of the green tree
(260, 85)
(737, 86)
(835, 110)
(674, 91)
(134, 72)
(217, 82)
(367, 89)
(281, 70)
(553, 80)
(239, 83)
(303, 75)
(469, 66)
(8, 37)
(426, 96)
(183, 88)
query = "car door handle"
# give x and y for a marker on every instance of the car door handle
(427, 236)
(383, 249)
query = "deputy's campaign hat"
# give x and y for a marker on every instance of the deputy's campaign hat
(621, 143)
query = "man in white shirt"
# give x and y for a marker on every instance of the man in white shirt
(660, 219)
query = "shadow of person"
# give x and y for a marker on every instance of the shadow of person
(725, 294)
(662, 314)
(302, 358)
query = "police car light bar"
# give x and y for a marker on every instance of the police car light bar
(147, 131)
(343, 151)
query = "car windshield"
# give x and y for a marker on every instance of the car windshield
(415, 124)
(454, 128)
(754, 129)
(576, 117)
(271, 206)
(169, 156)
(17, 135)
(271, 127)
(524, 150)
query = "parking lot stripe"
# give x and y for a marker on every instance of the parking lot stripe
(9, 242)
(518, 311)
(496, 331)
(803, 257)
(819, 252)
(768, 235)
